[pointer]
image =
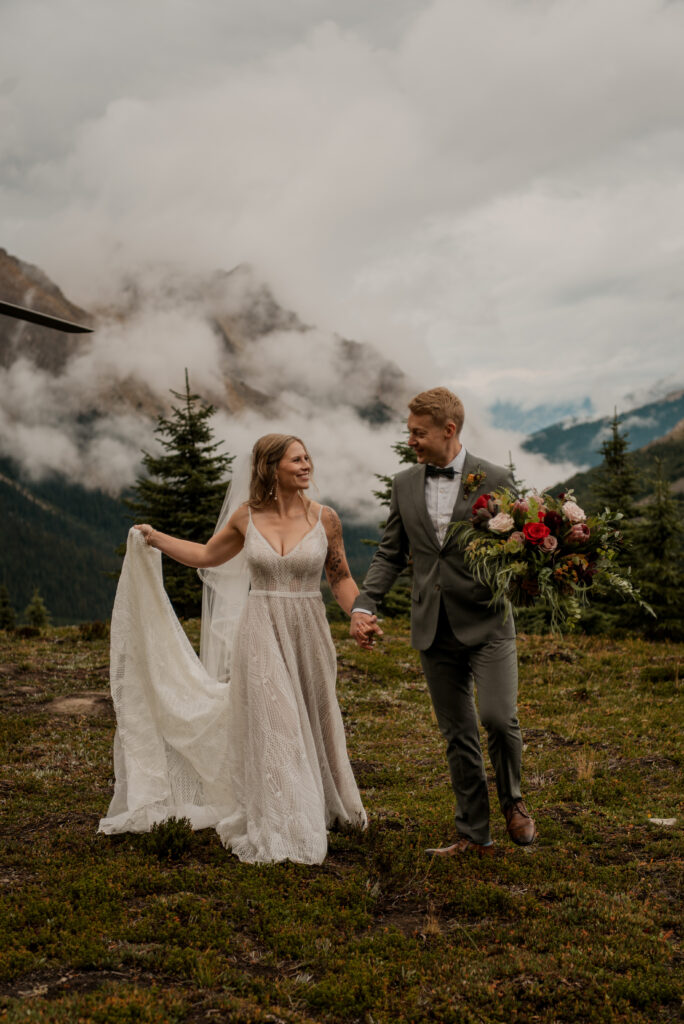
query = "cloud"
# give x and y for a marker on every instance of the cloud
(487, 191)
(58, 424)
(638, 421)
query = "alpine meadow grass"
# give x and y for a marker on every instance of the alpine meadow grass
(585, 925)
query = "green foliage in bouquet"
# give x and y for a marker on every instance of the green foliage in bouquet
(542, 549)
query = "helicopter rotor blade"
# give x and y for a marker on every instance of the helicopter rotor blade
(34, 317)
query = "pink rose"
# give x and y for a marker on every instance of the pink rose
(501, 523)
(549, 544)
(516, 542)
(578, 533)
(521, 506)
(573, 512)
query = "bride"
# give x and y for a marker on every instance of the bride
(249, 739)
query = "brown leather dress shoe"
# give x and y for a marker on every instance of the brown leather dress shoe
(464, 845)
(519, 824)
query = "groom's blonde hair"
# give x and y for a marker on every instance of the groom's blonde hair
(440, 403)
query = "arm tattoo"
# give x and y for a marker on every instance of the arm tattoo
(336, 568)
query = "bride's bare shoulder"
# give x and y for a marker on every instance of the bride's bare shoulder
(240, 518)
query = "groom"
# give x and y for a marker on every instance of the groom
(460, 636)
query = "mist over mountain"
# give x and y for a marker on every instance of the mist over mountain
(84, 406)
(75, 412)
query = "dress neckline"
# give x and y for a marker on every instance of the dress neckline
(287, 553)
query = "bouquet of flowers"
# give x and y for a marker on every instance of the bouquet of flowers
(543, 549)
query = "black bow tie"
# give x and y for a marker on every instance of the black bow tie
(447, 471)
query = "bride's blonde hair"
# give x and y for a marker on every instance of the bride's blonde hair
(266, 454)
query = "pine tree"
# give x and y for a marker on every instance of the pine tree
(616, 485)
(658, 541)
(406, 455)
(398, 600)
(649, 541)
(183, 489)
(8, 618)
(615, 488)
(518, 483)
(35, 613)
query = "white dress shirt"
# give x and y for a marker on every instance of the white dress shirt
(441, 494)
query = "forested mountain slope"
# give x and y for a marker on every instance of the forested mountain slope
(60, 538)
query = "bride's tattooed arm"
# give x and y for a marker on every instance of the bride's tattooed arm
(336, 567)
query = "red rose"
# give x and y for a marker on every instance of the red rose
(481, 502)
(535, 532)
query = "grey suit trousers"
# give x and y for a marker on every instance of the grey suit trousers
(453, 670)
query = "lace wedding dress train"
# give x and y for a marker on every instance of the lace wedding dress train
(263, 757)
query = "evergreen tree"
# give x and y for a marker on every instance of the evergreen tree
(8, 618)
(658, 541)
(518, 483)
(183, 489)
(398, 600)
(616, 487)
(35, 613)
(406, 455)
(616, 484)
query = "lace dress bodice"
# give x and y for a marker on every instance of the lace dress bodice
(296, 573)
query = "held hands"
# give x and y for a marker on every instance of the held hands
(364, 629)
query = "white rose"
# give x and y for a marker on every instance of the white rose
(573, 512)
(501, 523)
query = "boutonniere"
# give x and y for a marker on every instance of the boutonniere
(473, 481)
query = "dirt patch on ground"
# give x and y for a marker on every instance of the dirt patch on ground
(407, 916)
(49, 984)
(91, 703)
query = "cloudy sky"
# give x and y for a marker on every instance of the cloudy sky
(490, 190)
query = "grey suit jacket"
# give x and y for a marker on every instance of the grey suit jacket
(439, 572)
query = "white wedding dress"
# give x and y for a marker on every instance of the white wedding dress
(263, 757)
